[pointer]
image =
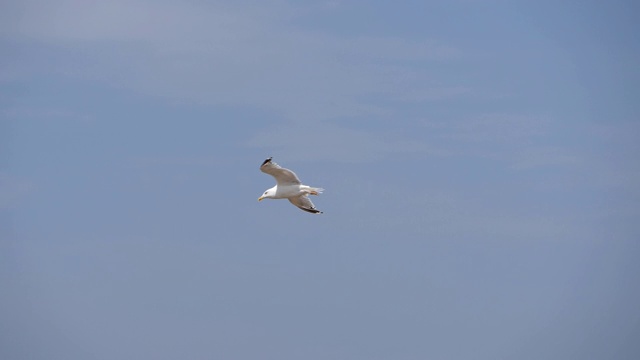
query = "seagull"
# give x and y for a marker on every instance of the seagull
(288, 186)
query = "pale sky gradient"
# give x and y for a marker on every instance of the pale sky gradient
(480, 161)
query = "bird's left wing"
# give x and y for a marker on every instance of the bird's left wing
(305, 204)
(283, 176)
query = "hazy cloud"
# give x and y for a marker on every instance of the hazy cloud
(328, 141)
(239, 54)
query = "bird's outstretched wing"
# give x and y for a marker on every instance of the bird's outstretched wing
(283, 176)
(305, 204)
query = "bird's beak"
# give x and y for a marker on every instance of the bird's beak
(260, 198)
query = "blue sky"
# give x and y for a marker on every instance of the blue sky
(479, 160)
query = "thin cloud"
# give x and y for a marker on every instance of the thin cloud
(228, 54)
(333, 142)
(169, 161)
(436, 93)
(18, 113)
(544, 156)
(502, 127)
(519, 140)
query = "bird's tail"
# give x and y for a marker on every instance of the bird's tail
(316, 191)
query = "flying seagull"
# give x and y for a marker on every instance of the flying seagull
(288, 186)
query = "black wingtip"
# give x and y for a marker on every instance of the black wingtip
(313, 211)
(267, 161)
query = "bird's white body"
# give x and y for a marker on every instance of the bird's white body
(288, 191)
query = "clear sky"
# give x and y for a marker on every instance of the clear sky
(480, 161)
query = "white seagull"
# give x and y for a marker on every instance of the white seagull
(288, 186)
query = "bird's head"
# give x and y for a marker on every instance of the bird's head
(270, 193)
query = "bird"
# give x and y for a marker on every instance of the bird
(289, 186)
